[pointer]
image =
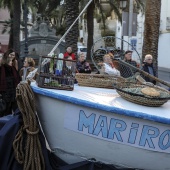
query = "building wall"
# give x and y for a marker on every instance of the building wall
(137, 55)
(164, 38)
(164, 42)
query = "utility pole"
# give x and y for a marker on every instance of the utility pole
(26, 29)
(130, 17)
(122, 36)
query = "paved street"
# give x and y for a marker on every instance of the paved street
(164, 75)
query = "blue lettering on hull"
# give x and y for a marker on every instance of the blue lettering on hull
(114, 129)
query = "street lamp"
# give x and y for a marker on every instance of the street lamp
(105, 5)
(123, 4)
(25, 30)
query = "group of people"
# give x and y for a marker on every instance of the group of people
(108, 66)
(11, 73)
(10, 76)
(146, 66)
(82, 66)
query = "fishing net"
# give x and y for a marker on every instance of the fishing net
(128, 69)
(133, 76)
(143, 94)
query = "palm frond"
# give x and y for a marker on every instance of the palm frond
(115, 7)
(7, 26)
(102, 15)
(141, 5)
(7, 4)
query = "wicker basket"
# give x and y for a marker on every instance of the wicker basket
(97, 80)
(141, 98)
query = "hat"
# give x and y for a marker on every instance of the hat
(128, 51)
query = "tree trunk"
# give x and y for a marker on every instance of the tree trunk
(72, 12)
(16, 26)
(151, 30)
(90, 28)
(10, 43)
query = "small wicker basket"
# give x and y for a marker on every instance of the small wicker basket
(97, 80)
(140, 98)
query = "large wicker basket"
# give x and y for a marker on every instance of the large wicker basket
(97, 80)
(141, 98)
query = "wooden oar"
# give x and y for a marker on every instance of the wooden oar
(143, 72)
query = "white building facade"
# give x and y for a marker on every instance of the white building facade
(164, 40)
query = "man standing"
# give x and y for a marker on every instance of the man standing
(127, 71)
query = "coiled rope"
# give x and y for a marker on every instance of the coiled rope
(28, 153)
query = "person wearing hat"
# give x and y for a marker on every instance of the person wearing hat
(128, 58)
(127, 71)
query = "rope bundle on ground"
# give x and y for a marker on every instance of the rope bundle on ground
(29, 153)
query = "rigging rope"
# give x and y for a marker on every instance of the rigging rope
(30, 155)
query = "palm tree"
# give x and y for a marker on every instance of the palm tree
(90, 22)
(57, 19)
(7, 4)
(44, 7)
(90, 28)
(16, 25)
(151, 29)
(15, 15)
(72, 12)
(114, 4)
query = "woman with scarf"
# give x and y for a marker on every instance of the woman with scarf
(29, 65)
(9, 79)
(82, 65)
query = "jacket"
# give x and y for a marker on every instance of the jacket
(146, 69)
(83, 67)
(21, 72)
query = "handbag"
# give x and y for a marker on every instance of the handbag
(2, 104)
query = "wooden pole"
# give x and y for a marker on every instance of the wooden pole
(143, 72)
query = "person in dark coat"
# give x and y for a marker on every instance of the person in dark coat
(149, 68)
(9, 79)
(10, 53)
(127, 71)
(82, 65)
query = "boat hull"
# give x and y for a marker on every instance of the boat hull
(73, 140)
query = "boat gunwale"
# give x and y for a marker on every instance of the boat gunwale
(112, 109)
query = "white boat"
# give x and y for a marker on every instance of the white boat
(97, 123)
